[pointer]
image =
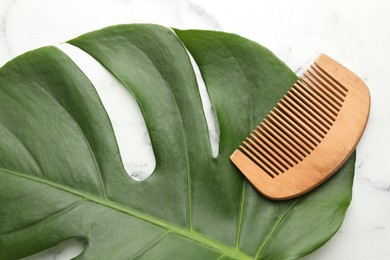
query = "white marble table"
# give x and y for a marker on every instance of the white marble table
(356, 33)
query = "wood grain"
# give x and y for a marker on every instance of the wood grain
(309, 134)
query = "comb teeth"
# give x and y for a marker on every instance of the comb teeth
(309, 134)
(297, 124)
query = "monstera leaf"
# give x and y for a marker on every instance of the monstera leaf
(61, 174)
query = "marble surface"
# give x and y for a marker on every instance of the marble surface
(356, 33)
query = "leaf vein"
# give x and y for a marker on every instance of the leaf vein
(188, 172)
(92, 153)
(150, 245)
(274, 228)
(243, 193)
(184, 232)
(40, 172)
(52, 216)
(241, 214)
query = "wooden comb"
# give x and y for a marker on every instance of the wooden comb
(309, 134)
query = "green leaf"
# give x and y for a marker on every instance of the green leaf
(61, 174)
